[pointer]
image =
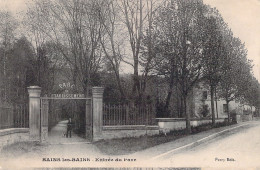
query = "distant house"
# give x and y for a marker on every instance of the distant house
(201, 106)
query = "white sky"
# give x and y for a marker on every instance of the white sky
(242, 16)
(13, 5)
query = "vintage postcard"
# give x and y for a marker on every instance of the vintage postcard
(129, 84)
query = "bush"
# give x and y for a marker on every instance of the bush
(204, 110)
(161, 111)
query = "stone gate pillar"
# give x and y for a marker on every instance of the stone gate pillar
(34, 112)
(88, 126)
(97, 97)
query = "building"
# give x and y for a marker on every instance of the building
(202, 105)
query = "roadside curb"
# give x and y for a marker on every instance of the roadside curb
(212, 136)
(70, 143)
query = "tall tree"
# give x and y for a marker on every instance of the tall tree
(74, 27)
(147, 55)
(21, 77)
(180, 37)
(252, 94)
(134, 20)
(137, 17)
(7, 33)
(162, 43)
(213, 52)
(236, 71)
(111, 43)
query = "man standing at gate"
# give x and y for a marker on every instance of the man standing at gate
(69, 128)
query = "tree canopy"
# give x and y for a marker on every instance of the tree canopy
(170, 46)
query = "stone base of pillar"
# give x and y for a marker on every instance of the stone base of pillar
(34, 113)
(97, 98)
(88, 134)
(97, 138)
(44, 134)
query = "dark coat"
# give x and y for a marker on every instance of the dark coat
(69, 125)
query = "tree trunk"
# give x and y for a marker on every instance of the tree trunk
(227, 102)
(212, 105)
(123, 97)
(216, 101)
(182, 108)
(168, 99)
(136, 87)
(86, 88)
(178, 101)
(188, 127)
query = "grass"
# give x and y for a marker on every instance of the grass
(126, 146)
(130, 145)
(121, 146)
(21, 148)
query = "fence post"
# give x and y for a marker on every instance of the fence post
(12, 116)
(127, 122)
(34, 112)
(97, 95)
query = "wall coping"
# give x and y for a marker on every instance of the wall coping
(130, 127)
(182, 119)
(34, 87)
(8, 131)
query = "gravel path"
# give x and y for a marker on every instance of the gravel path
(57, 135)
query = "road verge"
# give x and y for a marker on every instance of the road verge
(198, 142)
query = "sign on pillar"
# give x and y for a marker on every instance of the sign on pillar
(97, 95)
(34, 112)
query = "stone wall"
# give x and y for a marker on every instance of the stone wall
(112, 132)
(169, 124)
(13, 135)
(248, 117)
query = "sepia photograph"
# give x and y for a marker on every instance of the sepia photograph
(130, 84)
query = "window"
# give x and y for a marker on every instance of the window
(205, 95)
(225, 108)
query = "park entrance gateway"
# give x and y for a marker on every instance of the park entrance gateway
(57, 107)
(39, 112)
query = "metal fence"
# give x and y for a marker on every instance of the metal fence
(128, 115)
(14, 116)
(21, 115)
(6, 116)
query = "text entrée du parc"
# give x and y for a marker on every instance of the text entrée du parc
(88, 160)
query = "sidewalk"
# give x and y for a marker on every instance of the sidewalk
(68, 149)
(58, 148)
(187, 142)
